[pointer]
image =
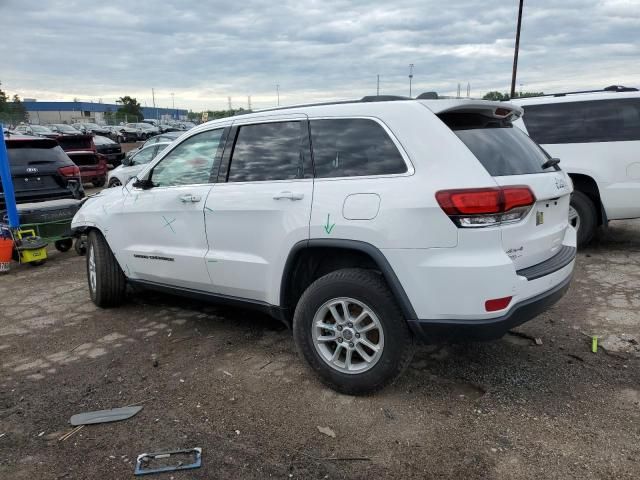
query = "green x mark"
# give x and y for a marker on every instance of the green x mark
(167, 223)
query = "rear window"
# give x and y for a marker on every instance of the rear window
(28, 153)
(584, 122)
(500, 148)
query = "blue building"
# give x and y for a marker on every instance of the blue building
(72, 112)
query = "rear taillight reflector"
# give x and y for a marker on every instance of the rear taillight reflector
(496, 304)
(479, 207)
(70, 171)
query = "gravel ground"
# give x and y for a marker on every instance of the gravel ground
(229, 381)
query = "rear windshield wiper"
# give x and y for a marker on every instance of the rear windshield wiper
(552, 162)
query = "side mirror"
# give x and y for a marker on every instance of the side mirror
(144, 184)
(126, 161)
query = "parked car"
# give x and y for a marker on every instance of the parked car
(366, 225)
(133, 164)
(87, 127)
(162, 138)
(144, 130)
(41, 171)
(166, 127)
(37, 130)
(122, 134)
(82, 150)
(63, 129)
(110, 149)
(596, 135)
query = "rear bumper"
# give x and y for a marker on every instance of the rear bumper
(430, 331)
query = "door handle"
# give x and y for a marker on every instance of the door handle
(190, 198)
(288, 195)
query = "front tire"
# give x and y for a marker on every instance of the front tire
(583, 217)
(107, 283)
(350, 331)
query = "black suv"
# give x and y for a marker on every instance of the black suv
(41, 171)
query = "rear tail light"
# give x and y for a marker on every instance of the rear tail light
(485, 207)
(72, 171)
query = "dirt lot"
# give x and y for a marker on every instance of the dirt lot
(229, 381)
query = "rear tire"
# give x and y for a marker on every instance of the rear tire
(107, 283)
(366, 296)
(583, 216)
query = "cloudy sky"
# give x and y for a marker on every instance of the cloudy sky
(206, 51)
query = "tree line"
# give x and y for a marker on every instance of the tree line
(12, 111)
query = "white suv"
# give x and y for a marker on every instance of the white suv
(596, 135)
(365, 225)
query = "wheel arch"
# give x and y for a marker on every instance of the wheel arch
(308, 260)
(588, 185)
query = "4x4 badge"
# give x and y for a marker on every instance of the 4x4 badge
(539, 218)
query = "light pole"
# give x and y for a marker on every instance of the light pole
(410, 77)
(278, 93)
(515, 53)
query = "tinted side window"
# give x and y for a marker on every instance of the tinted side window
(584, 122)
(190, 163)
(267, 151)
(353, 147)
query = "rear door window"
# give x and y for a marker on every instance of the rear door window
(501, 148)
(353, 147)
(614, 120)
(267, 151)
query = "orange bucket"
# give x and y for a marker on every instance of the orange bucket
(6, 250)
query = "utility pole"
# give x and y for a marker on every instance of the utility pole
(153, 98)
(515, 53)
(229, 100)
(378, 87)
(173, 100)
(458, 94)
(249, 102)
(410, 77)
(278, 93)
(468, 90)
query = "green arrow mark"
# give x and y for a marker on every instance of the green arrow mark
(329, 227)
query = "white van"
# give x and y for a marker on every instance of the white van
(596, 135)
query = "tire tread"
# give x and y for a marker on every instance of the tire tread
(110, 283)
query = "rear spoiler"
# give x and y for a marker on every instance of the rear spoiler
(499, 110)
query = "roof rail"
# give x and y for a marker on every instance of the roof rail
(383, 98)
(366, 99)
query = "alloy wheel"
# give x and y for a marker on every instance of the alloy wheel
(348, 335)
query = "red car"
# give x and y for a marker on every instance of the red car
(82, 150)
